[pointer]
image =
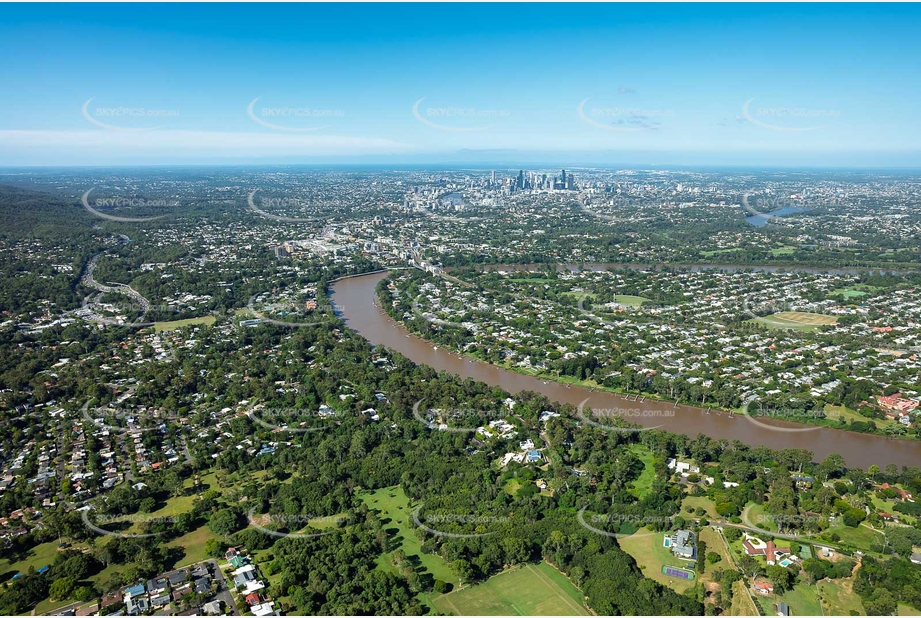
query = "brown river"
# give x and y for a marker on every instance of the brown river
(357, 304)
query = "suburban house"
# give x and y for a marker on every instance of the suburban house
(756, 547)
(763, 587)
(264, 609)
(896, 403)
(684, 545)
(682, 467)
(904, 495)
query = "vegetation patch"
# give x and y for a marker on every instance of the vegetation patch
(530, 590)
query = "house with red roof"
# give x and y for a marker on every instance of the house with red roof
(763, 587)
(756, 547)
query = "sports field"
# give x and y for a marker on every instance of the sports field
(531, 590)
(630, 301)
(796, 319)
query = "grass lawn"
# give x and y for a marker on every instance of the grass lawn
(172, 508)
(650, 555)
(742, 604)
(838, 597)
(578, 294)
(716, 544)
(802, 601)
(757, 518)
(160, 327)
(795, 319)
(860, 537)
(512, 486)
(44, 555)
(395, 511)
(194, 545)
(855, 291)
(643, 484)
(905, 610)
(529, 590)
(697, 502)
(39, 556)
(630, 301)
(48, 605)
(834, 412)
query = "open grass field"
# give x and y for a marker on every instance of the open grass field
(395, 511)
(796, 319)
(855, 291)
(44, 555)
(651, 556)
(755, 517)
(742, 604)
(578, 294)
(716, 544)
(643, 484)
(530, 590)
(861, 537)
(194, 545)
(802, 600)
(160, 327)
(702, 502)
(905, 610)
(39, 556)
(838, 412)
(512, 486)
(630, 301)
(801, 317)
(838, 597)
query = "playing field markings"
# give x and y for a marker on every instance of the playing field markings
(500, 601)
(453, 606)
(580, 611)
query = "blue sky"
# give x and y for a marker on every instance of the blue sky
(774, 85)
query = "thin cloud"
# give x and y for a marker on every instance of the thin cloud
(199, 143)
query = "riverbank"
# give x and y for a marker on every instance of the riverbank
(361, 312)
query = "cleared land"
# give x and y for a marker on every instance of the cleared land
(165, 326)
(630, 301)
(802, 600)
(702, 502)
(531, 590)
(643, 484)
(742, 604)
(839, 599)
(796, 319)
(650, 554)
(395, 511)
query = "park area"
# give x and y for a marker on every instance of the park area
(529, 590)
(395, 512)
(796, 319)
